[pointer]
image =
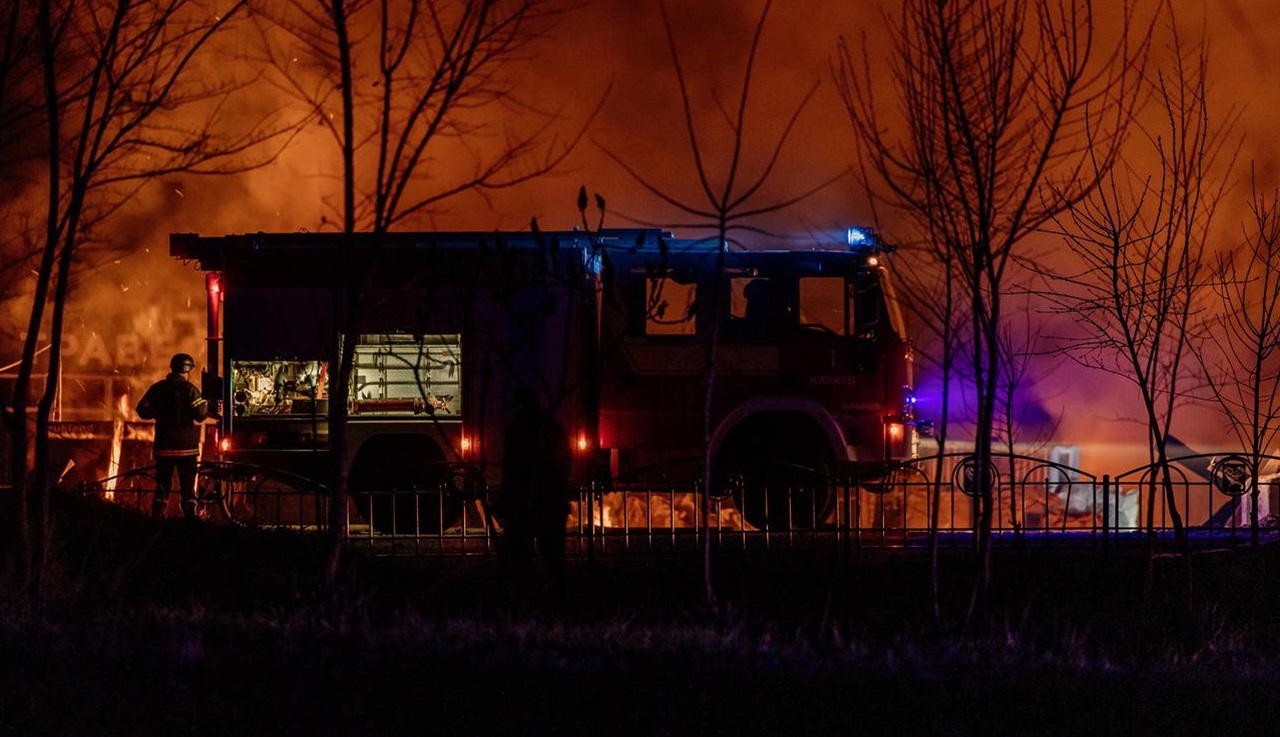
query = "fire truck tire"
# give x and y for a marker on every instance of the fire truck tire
(400, 486)
(778, 471)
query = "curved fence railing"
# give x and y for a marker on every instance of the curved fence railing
(1208, 495)
(1224, 499)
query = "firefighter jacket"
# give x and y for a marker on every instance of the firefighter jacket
(177, 407)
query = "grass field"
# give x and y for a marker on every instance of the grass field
(165, 629)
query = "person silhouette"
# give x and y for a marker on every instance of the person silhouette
(534, 496)
(178, 409)
(758, 316)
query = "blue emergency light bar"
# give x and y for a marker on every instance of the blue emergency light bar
(861, 238)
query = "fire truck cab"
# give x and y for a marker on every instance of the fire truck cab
(616, 331)
(812, 371)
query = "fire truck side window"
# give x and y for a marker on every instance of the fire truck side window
(823, 304)
(866, 298)
(670, 307)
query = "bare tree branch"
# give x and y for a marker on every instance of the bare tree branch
(1139, 242)
(987, 146)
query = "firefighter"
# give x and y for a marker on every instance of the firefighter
(534, 497)
(178, 409)
(758, 316)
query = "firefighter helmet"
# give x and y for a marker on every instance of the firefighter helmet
(181, 363)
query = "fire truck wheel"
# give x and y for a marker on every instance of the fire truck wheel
(781, 475)
(400, 485)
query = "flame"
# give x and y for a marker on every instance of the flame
(117, 445)
(657, 510)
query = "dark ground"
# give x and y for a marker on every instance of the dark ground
(165, 629)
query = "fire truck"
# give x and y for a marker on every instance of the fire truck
(634, 338)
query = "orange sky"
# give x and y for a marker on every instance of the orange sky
(620, 43)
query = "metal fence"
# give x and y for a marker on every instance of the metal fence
(1219, 500)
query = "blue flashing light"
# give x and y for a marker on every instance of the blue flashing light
(860, 237)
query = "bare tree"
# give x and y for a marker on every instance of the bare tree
(992, 96)
(19, 115)
(118, 110)
(19, 88)
(1139, 240)
(1241, 354)
(1018, 370)
(398, 85)
(727, 206)
(19, 122)
(930, 269)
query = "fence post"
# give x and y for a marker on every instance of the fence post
(1253, 497)
(843, 525)
(590, 523)
(1106, 511)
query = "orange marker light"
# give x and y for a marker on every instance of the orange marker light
(895, 430)
(582, 442)
(224, 445)
(465, 445)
